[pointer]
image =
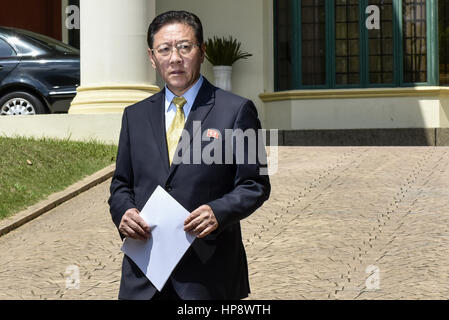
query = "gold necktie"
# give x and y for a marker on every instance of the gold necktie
(175, 130)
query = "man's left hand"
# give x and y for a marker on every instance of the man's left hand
(201, 221)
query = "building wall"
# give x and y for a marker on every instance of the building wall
(41, 16)
(382, 108)
(364, 113)
(251, 22)
(245, 20)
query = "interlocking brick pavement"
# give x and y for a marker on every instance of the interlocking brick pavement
(341, 223)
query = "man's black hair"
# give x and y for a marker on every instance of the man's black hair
(170, 17)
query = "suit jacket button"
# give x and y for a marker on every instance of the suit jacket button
(168, 188)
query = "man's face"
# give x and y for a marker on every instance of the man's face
(179, 71)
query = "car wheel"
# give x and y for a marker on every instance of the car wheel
(20, 103)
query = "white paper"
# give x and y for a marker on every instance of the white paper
(158, 256)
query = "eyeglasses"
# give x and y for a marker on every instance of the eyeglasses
(183, 48)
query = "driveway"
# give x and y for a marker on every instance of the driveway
(341, 223)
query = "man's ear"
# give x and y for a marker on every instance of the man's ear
(152, 59)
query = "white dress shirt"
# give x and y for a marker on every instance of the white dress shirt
(190, 96)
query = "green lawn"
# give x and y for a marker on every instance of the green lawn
(32, 169)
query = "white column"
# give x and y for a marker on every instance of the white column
(115, 68)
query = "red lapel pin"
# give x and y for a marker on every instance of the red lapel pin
(212, 133)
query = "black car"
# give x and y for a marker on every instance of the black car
(38, 74)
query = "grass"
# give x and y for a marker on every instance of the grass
(31, 169)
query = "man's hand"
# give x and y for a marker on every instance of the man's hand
(133, 225)
(201, 221)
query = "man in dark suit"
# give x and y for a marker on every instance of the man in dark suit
(217, 195)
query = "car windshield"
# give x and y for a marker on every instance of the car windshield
(50, 42)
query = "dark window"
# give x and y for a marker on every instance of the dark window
(284, 30)
(5, 49)
(313, 45)
(74, 34)
(48, 42)
(415, 40)
(338, 43)
(347, 42)
(443, 26)
(380, 52)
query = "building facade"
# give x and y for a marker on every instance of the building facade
(362, 70)
(328, 72)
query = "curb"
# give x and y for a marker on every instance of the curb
(54, 200)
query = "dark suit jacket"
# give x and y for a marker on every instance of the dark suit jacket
(214, 267)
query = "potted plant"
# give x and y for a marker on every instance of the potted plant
(222, 53)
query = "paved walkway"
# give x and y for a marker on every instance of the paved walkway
(341, 223)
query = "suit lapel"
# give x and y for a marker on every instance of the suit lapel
(204, 102)
(157, 120)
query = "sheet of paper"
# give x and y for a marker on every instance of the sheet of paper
(158, 256)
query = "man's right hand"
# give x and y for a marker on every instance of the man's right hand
(133, 225)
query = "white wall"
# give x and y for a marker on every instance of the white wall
(244, 20)
(357, 113)
(78, 127)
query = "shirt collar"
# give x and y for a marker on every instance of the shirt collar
(189, 95)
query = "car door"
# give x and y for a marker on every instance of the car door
(8, 59)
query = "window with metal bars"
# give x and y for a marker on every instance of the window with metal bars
(380, 42)
(326, 44)
(313, 35)
(347, 42)
(284, 31)
(443, 33)
(415, 40)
